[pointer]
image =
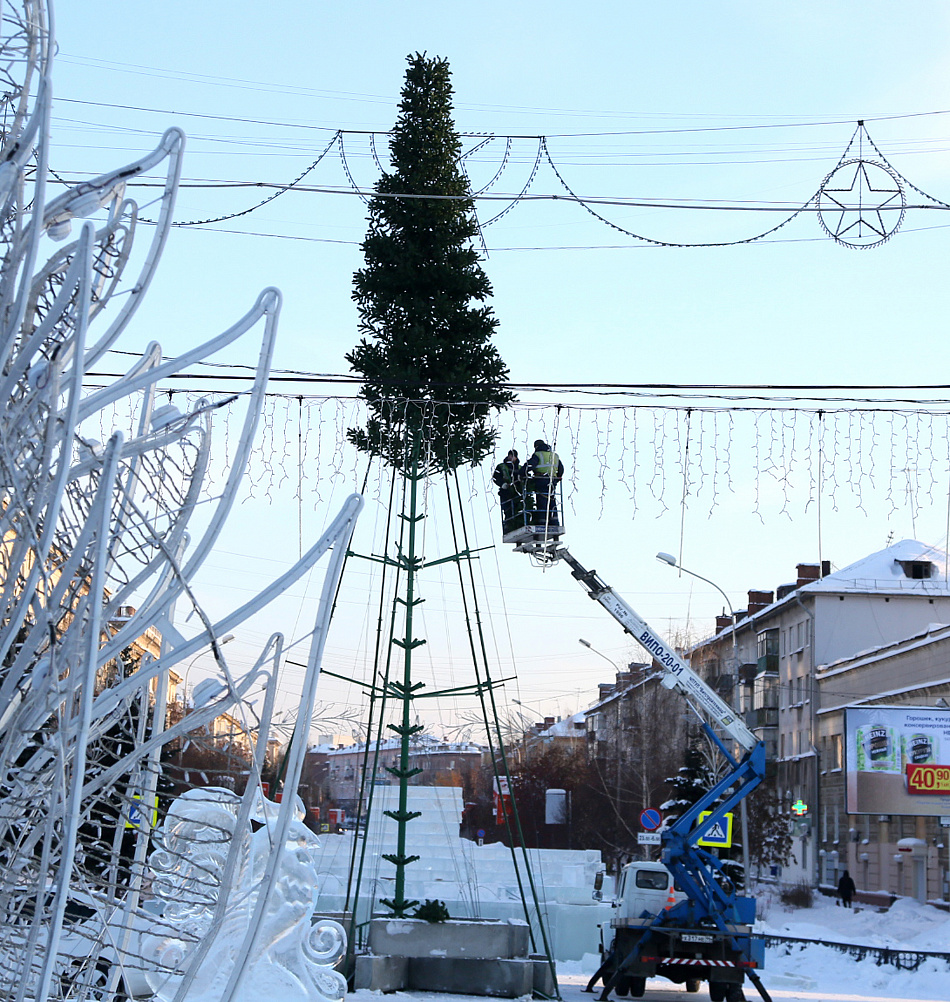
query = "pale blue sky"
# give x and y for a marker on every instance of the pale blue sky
(679, 98)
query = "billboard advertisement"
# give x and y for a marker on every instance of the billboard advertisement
(897, 760)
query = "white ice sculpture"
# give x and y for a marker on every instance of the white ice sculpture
(88, 527)
(283, 956)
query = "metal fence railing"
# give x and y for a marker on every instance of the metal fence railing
(906, 960)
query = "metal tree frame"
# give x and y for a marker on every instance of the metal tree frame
(86, 528)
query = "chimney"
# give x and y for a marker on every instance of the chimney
(549, 722)
(758, 600)
(783, 590)
(808, 573)
(825, 568)
(723, 623)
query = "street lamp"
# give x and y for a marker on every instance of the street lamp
(525, 729)
(183, 746)
(668, 558)
(591, 647)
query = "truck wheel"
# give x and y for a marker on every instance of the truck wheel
(622, 987)
(717, 991)
(692, 984)
(637, 987)
(734, 994)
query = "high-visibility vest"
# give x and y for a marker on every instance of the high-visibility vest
(505, 474)
(548, 463)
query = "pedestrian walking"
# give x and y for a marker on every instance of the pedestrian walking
(846, 889)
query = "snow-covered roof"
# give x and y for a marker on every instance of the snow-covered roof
(422, 745)
(568, 727)
(935, 633)
(887, 571)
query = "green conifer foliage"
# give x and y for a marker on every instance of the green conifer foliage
(431, 375)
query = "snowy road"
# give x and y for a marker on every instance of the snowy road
(808, 974)
(659, 990)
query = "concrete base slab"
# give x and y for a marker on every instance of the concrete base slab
(381, 974)
(544, 981)
(507, 979)
(456, 938)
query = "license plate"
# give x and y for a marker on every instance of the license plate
(692, 937)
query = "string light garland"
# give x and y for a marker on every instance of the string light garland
(646, 457)
(859, 204)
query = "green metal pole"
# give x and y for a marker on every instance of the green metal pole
(410, 562)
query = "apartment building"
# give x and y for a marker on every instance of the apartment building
(779, 652)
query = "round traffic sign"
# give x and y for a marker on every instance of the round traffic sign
(650, 819)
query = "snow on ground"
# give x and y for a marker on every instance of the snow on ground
(906, 925)
(812, 974)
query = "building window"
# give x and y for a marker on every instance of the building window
(766, 643)
(766, 692)
(916, 569)
(835, 751)
(766, 650)
(794, 692)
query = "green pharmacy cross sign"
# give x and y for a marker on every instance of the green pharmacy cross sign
(800, 807)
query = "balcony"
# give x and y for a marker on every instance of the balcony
(767, 663)
(764, 716)
(723, 684)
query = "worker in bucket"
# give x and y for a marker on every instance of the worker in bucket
(509, 480)
(544, 471)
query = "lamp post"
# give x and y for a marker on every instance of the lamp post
(668, 558)
(590, 647)
(226, 639)
(524, 731)
(619, 754)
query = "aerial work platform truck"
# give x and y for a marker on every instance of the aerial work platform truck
(707, 935)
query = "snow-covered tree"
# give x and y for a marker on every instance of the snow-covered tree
(692, 781)
(693, 778)
(770, 833)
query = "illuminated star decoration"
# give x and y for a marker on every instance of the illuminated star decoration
(861, 203)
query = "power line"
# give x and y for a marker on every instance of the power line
(873, 217)
(815, 395)
(691, 130)
(748, 387)
(627, 202)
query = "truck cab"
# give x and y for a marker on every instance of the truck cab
(644, 889)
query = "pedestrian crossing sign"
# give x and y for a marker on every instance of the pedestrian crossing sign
(137, 817)
(719, 833)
